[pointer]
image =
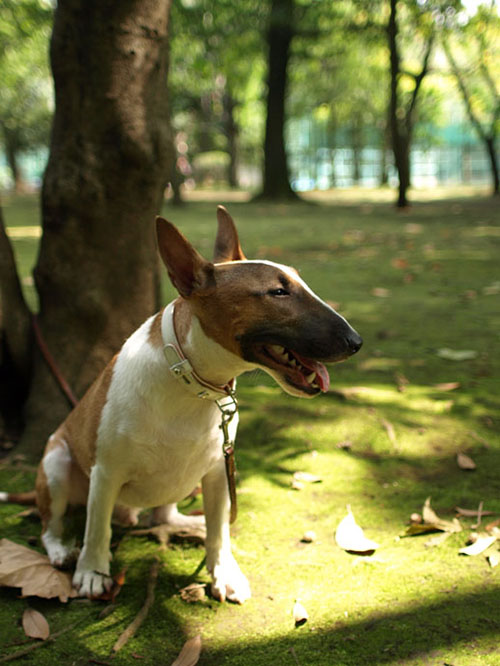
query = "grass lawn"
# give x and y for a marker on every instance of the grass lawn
(382, 440)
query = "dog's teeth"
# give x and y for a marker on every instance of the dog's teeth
(293, 363)
(278, 349)
(310, 378)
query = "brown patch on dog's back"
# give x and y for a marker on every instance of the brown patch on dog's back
(79, 430)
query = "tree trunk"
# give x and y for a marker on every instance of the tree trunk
(402, 159)
(15, 343)
(231, 132)
(490, 144)
(276, 182)
(357, 147)
(97, 270)
(11, 153)
(399, 141)
(488, 137)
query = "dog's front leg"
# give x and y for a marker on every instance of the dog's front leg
(91, 577)
(227, 580)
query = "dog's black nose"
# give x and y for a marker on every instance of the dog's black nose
(354, 342)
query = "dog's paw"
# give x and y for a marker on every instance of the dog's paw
(91, 584)
(62, 556)
(228, 582)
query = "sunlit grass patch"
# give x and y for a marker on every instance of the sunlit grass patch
(382, 440)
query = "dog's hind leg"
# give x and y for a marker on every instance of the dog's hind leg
(170, 515)
(53, 486)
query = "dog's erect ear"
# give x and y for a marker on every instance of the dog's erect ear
(227, 244)
(187, 269)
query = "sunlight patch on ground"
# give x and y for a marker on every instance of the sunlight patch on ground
(24, 232)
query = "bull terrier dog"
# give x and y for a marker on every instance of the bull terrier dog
(161, 416)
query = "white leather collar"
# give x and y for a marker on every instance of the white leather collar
(180, 366)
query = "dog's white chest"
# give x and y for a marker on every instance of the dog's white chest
(158, 438)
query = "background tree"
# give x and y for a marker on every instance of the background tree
(471, 47)
(405, 84)
(280, 32)
(97, 270)
(216, 56)
(25, 102)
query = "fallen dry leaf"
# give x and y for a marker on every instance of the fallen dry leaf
(32, 572)
(35, 625)
(380, 292)
(447, 386)
(350, 537)
(457, 354)
(190, 653)
(479, 546)
(118, 583)
(305, 477)
(193, 593)
(431, 522)
(300, 615)
(465, 462)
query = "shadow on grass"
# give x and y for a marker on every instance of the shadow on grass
(276, 432)
(425, 633)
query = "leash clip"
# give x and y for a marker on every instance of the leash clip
(228, 406)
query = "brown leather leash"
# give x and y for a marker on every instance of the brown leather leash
(49, 360)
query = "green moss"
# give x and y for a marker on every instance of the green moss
(408, 603)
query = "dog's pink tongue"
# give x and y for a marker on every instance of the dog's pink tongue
(322, 376)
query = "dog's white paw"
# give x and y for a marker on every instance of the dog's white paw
(61, 555)
(228, 582)
(91, 584)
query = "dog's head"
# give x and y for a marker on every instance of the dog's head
(260, 310)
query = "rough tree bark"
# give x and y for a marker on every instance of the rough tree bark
(276, 181)
(110, 157)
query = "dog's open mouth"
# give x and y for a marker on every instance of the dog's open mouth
(303, 373)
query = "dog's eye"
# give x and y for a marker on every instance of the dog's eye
(278, 292)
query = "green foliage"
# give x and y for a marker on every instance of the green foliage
(25, 103)
(217, 54)
(472, 46)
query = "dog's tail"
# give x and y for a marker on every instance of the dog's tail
(28, 498)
